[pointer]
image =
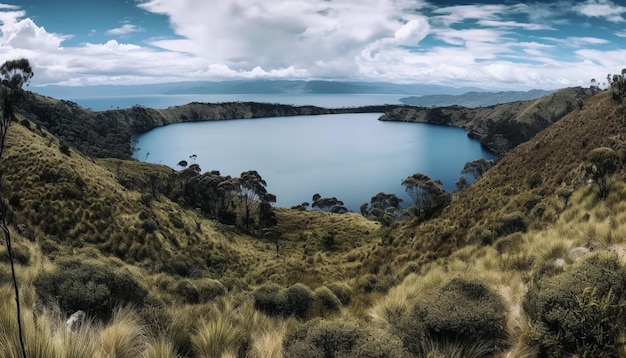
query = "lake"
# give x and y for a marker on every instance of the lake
(348, 156)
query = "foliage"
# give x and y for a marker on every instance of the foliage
(274, 300)
(427, 194)
(332, 205)
(340, 339)
(601, 163)
(462, 310)
(618, 85)
(477, 167)
(580, 311)
(91, 286)
(384, 208)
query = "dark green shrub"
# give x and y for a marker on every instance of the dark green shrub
(209, 289)
(342, 291)
(462, 311)
(277, 301)
(511, 223)
(187, 291)
(91, 286)
(580, 311)
(299, 300)
(338, 339)
(327, 300)
(270, 299)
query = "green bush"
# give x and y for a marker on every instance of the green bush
(327, 300)
(460, 311)
(277, 301)
(580, 311)
(91, 286)
(342, 291)
(299, 300)
(339, 339)
(270, 299)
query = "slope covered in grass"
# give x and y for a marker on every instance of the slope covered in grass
(499, 273)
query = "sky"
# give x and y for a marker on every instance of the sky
(506, 45)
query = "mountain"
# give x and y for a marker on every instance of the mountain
(474, 99)
(529, 251)
(249, 87)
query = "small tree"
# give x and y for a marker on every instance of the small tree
(427, 194)
(477, 167)
(14, 74)
(601, 164)
(254, 196)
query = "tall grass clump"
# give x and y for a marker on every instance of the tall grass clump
(124, 337)
(160, 347)
(216, 335)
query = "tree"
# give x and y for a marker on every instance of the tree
(332, 205)
(253, 195)
(183, 164)
(14, 75)
(601, 163)
(477, 167)
(385, 208)
(427, 194)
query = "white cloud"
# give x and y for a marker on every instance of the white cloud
(341, 39)
(601, 8)
(124, 30)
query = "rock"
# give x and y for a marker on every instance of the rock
(75, 320)
(578, 252)
(559, 263)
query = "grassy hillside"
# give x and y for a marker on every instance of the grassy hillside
(500, 127)
(532, 273)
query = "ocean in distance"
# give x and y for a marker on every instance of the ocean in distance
(296, 99)
(349, 156)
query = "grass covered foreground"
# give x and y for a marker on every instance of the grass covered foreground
(526, 262)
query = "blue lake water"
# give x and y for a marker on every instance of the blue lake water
(348, 156)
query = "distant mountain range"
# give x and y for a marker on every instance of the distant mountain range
(252, 87)
(420, 95)
(474, 99)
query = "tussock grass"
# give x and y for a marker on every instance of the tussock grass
(124, 337)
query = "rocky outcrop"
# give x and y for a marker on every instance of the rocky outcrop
(500, 127)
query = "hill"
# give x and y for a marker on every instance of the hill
(109, 133)
(251, 86)
(474, 99)
(499, 127)
(514, 250)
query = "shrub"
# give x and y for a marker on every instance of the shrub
(511, 223)
(462, 311)
(299, 300)
(327, 299)
(342, 291)
(319, 338)
(270, 299)
(580, 311)
(90, 286)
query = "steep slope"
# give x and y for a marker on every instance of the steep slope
(520, 192)
(67, 201)
(499, 127)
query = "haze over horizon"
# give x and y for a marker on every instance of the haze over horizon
(510, 46)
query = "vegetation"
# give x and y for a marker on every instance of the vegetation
(526, 261)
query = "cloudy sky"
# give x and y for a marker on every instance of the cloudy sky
(489, 44)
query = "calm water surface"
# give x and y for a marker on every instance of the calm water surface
(349, 156)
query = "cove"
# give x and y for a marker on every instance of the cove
(349, 156)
